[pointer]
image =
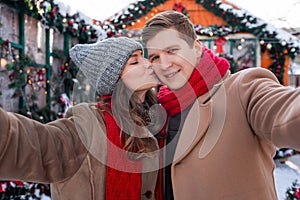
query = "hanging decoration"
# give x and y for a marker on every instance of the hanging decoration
(219, 42)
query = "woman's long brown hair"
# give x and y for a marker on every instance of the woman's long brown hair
(134, 118)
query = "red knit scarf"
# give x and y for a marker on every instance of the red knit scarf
(208, 72)
(121, 181)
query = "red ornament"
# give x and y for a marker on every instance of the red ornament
(54, 10)
(71, 22)
(110, 33)
(62, 67)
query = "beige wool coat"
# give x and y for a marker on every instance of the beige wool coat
(68, 153)
(226, 148)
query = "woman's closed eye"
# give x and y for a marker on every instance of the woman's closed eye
(134, 63)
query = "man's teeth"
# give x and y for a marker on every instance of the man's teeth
(171, 75)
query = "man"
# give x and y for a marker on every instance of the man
(222, 128)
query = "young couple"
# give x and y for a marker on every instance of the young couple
(219, 135)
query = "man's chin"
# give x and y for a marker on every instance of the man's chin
(174, 86)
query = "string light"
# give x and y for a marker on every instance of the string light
(3, 63)
(269, 46)
(283, 43)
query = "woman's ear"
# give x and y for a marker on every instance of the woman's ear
(198, 48)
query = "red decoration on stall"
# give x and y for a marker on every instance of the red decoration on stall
(178, 7)
(219, 42)
(41, 75)
(11, 76)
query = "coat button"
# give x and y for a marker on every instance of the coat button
(148, 194)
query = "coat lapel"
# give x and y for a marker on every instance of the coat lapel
(195, 126)
(216, 126)
(205, 119)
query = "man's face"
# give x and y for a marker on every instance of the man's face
(172, 58)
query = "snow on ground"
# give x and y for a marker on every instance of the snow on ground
(285, 174)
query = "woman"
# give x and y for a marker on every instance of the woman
(105, 150)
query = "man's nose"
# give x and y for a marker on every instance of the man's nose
(165, 62)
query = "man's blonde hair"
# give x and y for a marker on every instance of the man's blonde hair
(170, 20)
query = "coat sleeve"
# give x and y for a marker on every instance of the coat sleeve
(32, 151)
(273, 110)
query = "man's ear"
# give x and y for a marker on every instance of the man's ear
(199, 48)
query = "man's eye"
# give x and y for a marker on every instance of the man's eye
(153, 59)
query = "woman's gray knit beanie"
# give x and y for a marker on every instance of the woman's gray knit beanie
(103, 62)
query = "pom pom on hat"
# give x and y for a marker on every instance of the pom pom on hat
(103, 62)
